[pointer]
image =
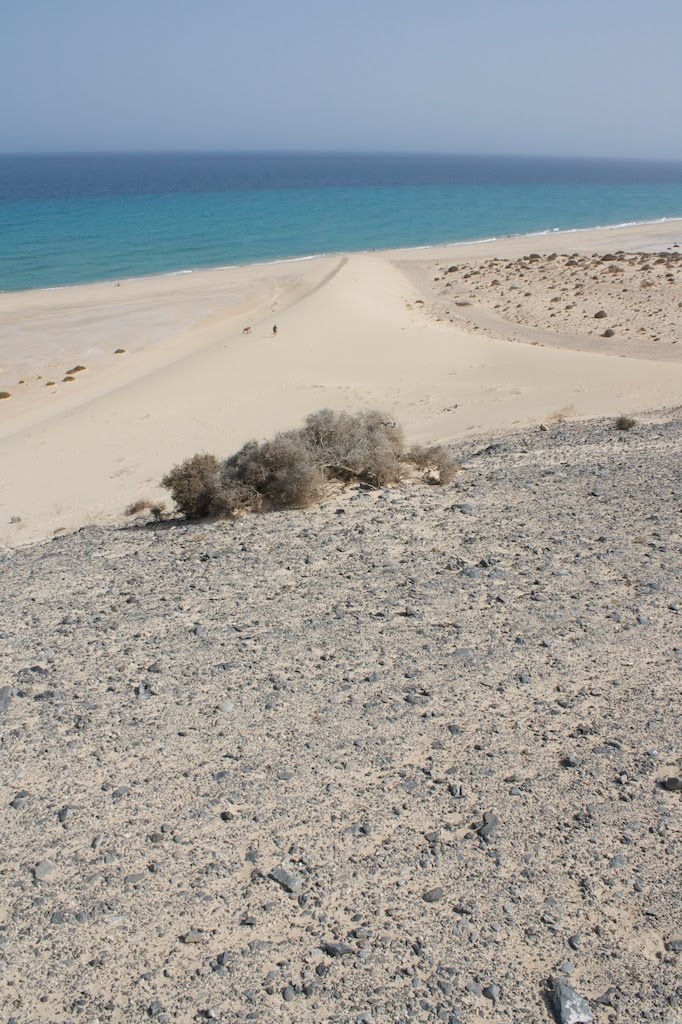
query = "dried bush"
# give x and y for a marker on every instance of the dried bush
(5, 394)
(365, 446)
(195, 485)
(138, 506)
(625, 423)
(294, 469)
(436, 463)
(278, 474)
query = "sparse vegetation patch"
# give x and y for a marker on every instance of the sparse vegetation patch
(295, 468)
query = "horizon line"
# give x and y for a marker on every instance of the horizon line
(336, 153)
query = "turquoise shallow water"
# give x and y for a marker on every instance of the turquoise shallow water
(65, 220)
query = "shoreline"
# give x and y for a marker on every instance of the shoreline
(184, 271)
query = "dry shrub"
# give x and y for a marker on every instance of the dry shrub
(67, 379)
(294, 469)
(5, 394)
(138, 506)
(155, 509)
(195, 485)
(75, 369)
(281, 473)
(435, 462)
(366, 446)
(625, 423)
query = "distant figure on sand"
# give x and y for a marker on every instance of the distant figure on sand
(247, 330)
(274, 330)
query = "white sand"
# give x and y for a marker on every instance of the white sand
(351, 334)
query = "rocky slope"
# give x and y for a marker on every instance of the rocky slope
(399, 758)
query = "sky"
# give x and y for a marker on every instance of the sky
(536, 77)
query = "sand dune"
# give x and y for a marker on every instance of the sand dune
(352, 332)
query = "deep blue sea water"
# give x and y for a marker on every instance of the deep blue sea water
(71, 219)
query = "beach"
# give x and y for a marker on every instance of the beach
(168, 371)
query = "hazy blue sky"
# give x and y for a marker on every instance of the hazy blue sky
(577, 77)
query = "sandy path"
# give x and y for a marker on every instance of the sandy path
(350, 335)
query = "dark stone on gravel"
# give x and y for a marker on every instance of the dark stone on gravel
(289, 882)
(674, 945)
(5, 698)
(337, 949)
(489, 825)
(569, 1007)
(433, 895)
(609, 998)
(673, 784)
(493, 993)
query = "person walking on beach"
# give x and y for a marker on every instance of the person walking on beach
(274, 330)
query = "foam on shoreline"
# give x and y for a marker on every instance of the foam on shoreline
(325, 255)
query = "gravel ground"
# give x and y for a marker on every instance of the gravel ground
(398, 758)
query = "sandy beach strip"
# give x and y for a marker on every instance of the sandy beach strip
(354, 330)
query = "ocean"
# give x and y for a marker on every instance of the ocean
(77, 218)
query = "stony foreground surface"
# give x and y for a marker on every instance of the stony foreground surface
(399, 758)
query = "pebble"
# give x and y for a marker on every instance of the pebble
(433, 895)
(493, 993)
(44, 870)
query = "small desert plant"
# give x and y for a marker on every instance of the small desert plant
(119, 351)
(65, 380)
(295, 468)
(436, 463)
(5, 394)
(155, 509)
(138, 506)
(75, 369)
(625, 423)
